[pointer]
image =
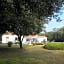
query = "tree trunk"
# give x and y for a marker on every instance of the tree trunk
(20, 40)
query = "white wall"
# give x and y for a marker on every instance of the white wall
(7, 38)
(39, 40)
(24, 40)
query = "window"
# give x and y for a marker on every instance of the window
(7, 39)
(35, 40)
(16, 38)
(27, 39)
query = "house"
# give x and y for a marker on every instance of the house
(9, 37)
(30, 39)
(34, 39)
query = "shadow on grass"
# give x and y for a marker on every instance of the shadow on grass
(14, 48)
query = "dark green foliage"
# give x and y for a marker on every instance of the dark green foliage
(9, 44)
(54, 46)
(50, 36)
(57, 35)
(26, 16)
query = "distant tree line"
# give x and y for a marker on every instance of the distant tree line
(57, 35)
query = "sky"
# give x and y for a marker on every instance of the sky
(53, 23)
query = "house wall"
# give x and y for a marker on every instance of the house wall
(41, 40)
(24, 40)
(8, 38)
(37, 40)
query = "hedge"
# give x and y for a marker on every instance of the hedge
(55, 46)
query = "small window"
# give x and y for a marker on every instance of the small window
(7, 39)
(34, 39)
(27, 39)
(16, 38)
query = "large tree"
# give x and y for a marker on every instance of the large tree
(25, 17)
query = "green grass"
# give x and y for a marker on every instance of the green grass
(30, 55)
(55, 46)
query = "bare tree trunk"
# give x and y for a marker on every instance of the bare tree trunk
(20, 40)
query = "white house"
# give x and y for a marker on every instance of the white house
(34, 39)
(11, 37)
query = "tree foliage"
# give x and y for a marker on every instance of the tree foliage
(57, 35)
(26, 15)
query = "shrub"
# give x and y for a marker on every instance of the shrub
(9, 44)
(16, 42)
(55, 46)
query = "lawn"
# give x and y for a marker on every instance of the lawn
(30, 55)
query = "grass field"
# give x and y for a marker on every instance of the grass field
(30, 55)
(54, 46)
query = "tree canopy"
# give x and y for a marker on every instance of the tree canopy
(26, 16)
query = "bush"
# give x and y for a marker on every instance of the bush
(9, 44)
(55, 46)
(16, 42)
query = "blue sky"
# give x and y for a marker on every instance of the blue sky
(53, 24)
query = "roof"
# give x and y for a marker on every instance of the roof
(42, 36)
(8, 33)
(35, 36)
